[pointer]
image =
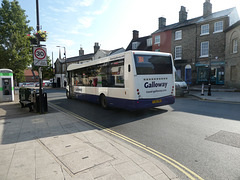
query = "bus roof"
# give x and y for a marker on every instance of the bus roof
(112, 58)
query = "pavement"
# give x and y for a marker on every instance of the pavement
(57, 145)
(218, 94)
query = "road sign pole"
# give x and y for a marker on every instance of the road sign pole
(40, 69)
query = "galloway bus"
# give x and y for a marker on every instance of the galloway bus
(130, 80)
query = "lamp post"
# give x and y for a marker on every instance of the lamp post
(65, 57)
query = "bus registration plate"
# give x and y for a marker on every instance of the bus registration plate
(156, 101)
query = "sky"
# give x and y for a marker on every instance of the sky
(80, 23)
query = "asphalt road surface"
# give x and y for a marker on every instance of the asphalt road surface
(203, 136)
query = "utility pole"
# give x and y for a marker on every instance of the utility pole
(39, 69)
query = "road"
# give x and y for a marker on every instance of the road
(203, 136)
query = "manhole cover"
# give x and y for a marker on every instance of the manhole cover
(225, 137)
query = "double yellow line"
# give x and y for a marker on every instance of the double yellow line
(190, 174)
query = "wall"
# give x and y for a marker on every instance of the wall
(232, 60)
(165, 41)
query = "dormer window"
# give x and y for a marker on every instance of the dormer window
(135, 45)
(149, 42)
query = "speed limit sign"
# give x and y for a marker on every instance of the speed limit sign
(40, 56)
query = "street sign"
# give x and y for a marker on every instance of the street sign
(40, 56)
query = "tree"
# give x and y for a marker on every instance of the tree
(15, 49)
(47, 71)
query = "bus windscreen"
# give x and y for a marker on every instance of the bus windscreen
(151, 64)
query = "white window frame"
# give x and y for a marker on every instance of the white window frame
(218, 27)
(149, 42)
(135, 45)
(204, 29)
(204, 49)
(157, 39)
(178, 35)
(235, 46)
(178, 52)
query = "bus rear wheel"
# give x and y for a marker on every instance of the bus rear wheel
(103, 101)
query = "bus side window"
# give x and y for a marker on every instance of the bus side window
(129, 68)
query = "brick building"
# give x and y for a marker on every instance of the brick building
(197, 44)
(232, 56)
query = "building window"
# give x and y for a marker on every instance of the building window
(149, 42)
(234, 45)
(157, 39)
(178, 35)
(205, 29)
(178, 52)
(218, 26)
(135, 45)
(204, 49)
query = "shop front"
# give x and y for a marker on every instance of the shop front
(216, 73)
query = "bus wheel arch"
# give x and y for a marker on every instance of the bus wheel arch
(103, 101)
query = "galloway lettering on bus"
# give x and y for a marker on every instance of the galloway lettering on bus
(153, 84)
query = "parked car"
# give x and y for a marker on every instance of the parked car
(181, 86)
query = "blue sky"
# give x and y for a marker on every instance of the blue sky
(81, 23)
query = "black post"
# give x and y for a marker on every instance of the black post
(209, 77)
(40, 69)
(37, 10)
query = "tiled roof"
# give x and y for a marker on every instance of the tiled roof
(28, 72)
(199, 19)
(142, 45)
(80, 58)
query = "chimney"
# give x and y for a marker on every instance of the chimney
(161, 22)
(182, 14)
(96, 47)
(135, 34)
(207, 8)
(81, 52)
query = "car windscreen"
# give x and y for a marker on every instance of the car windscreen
(152, 64)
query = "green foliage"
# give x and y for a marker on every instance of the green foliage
(15, 49)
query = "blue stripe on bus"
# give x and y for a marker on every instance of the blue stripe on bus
(128, 104)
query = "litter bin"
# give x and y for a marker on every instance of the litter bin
(36, 103)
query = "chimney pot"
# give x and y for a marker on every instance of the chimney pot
(81, 52)
(207, 8)
(135, 34)
(161, 22)
(96, 47)
(182, 14)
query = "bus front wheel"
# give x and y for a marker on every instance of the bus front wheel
(103, 101)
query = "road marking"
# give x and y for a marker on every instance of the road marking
(189, 173)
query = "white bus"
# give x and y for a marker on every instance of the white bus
(130, 80)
